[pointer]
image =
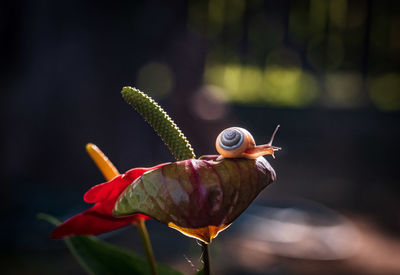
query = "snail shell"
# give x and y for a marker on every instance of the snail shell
(236, 142)
(233, 142)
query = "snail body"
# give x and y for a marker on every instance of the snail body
(236, 142)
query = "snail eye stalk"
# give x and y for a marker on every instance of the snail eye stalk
(265, 149)
(273, 136)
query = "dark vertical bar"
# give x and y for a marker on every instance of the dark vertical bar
(206, 259)
(366, 43)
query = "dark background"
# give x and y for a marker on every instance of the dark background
(326, 71)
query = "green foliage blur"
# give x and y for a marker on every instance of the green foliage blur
(330, 54)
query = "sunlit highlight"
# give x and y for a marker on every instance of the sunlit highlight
(204, 234)
(275, 86)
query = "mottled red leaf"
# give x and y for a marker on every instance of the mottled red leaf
(197, 197)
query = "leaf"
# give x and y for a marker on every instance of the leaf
(161, 122)
(197, 197)
(98, 257)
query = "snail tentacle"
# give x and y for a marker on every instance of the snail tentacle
(273, 135)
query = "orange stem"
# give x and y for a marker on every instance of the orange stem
(103, 163)
(109, 171)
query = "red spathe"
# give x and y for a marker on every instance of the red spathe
(99, 219)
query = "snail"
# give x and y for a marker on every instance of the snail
(236, 142)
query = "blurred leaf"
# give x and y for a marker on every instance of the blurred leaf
(98, 257)
(48, 218)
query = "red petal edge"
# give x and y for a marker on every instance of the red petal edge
(99, 219)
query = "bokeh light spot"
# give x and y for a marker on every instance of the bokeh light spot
(344, 89)
(326, 52)
(317, 15)
(289, 87)
(209, 103)
(338, 12)
(384, 92)
(155, 77)
(275, 86)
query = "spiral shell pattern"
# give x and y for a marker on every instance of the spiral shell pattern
(231, 138)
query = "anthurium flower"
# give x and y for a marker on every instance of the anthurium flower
(99, 219)
(198, 197)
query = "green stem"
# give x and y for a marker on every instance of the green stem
(144, 235)
(206, 258)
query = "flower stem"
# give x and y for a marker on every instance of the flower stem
(141, 226)
(206, 258)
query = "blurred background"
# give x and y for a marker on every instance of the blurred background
(326, 71)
